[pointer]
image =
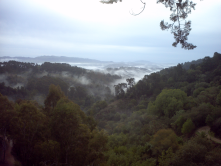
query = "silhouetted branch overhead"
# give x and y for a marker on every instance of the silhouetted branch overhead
(144, 4)
(180, 10)
(110, 1)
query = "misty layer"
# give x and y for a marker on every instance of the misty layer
(30, 80)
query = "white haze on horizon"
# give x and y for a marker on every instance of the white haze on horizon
(136, 70)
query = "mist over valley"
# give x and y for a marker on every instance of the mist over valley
(121, 103)
(110, 83)
(76, 76)
(136, 69)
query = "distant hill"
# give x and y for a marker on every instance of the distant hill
(187, 65)
(57, 59)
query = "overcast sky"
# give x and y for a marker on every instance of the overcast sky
(90, 29)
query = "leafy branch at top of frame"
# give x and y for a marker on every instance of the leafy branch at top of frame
(180, 11)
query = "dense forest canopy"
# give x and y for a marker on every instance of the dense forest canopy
(152, 122)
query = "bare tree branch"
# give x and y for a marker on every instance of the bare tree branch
(110, 1)
(180, 10)
(144, 4)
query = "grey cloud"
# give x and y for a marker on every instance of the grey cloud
(26, 30)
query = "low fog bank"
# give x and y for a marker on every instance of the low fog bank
(86, 63)
(19, 80)
(136, 70)
(127, 70)
(86, 79)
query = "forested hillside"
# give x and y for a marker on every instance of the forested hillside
(148, 123)
(152, 122)
(19, 80)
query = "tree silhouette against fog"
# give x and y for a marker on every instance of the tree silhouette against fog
(179, 27)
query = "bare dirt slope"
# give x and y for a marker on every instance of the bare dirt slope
(206, 129)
